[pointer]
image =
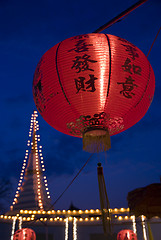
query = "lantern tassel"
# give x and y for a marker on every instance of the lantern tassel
(96, 140)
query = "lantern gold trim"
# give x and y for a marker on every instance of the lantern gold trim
(96, 140)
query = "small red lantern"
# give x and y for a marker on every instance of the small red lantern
(24, 234)
(93, 86)
(126, 234)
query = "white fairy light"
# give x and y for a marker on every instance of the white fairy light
(74, 229)
(134, 224)
(66, 228)
(23, 167)
(20, 223)
(13, 228)
(144, 227)
(38, 152)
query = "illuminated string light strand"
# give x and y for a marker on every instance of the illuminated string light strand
(38, 169)
(34, 127)
(39, 164)
(134, 224)
(20, 223)
(144, 227)
(23, 166)
(83, 215)
(66, 228)
(75, 228)
(13, 228)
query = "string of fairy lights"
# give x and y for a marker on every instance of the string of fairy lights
(13, 227)
(74, 228)
(40, 178)
(20, 223)
(144, 227)
(134, 224)
(76, 220)
(66, 228)
(33, 142)
(61, 219)
(82, 216)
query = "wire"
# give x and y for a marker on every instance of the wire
(38, 218)
(154, 41)
(120, 16)
(71, 182)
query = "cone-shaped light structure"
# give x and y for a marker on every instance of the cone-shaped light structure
(32, 192)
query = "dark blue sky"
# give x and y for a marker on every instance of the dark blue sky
(27, 30)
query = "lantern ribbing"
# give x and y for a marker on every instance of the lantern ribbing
(25, 234)
(93, 86)
(126, 234)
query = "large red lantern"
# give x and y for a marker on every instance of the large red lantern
(126, 234)
(24, 234)
(93, 86)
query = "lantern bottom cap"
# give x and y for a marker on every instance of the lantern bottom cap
(96, 140)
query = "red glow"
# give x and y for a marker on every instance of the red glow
(24, 233)
(126, 234)
(93, 80)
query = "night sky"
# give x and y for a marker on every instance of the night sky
(27, 30)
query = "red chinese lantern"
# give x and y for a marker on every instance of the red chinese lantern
(93, 86)
(126, 234)
(24, 234)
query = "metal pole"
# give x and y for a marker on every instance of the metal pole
(123, 14)
(104, 202)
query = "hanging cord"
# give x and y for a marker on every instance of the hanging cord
(66, 187)
(71, 182)
(120, 16)
(154, 41)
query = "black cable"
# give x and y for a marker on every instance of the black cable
(154, 41)
(38, 218)
(121, 15)
(71, 182)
